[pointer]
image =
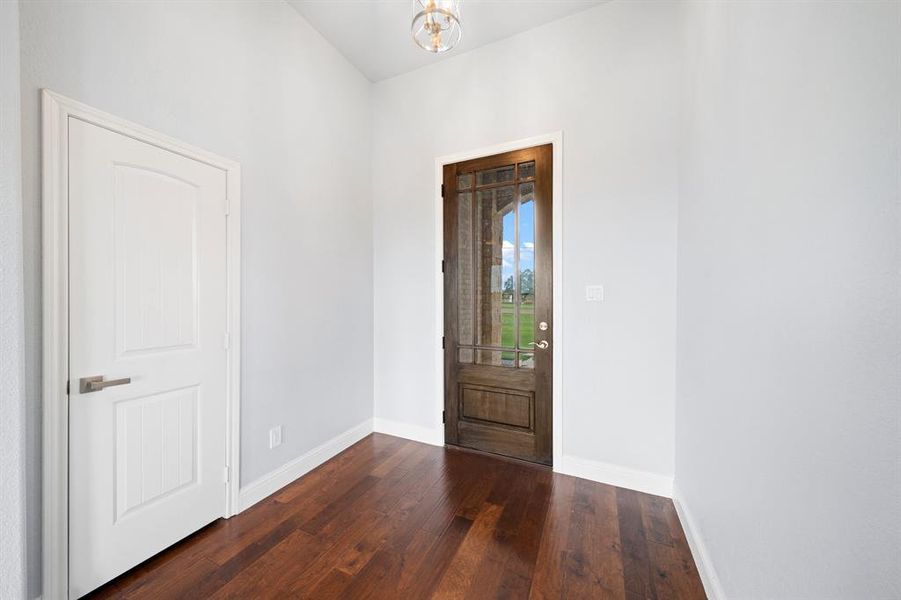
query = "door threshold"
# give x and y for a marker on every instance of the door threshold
(503, 457)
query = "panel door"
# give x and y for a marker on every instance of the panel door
(498, 304)
(147, 403)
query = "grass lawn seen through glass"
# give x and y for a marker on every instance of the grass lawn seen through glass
(526, 326)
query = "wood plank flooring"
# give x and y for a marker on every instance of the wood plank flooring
(391, 518)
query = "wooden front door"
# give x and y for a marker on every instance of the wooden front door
(498, 293)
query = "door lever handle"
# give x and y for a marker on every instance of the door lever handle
(86, 385)
(543, 344)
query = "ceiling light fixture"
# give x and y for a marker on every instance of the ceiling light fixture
(436, 24)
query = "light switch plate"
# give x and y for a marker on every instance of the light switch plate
(594, 293)
(275, 437)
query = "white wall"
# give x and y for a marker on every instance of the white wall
(789, 306)
(12, 367)
(251, 81)
(608, 78)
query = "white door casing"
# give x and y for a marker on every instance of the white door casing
(146, 252)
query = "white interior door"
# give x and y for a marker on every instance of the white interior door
(147, 287)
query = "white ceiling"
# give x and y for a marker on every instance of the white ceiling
(375, 36)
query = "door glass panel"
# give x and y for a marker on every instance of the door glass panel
(465, 300)
(497, 358)
(526, 260)
(498, 175)
(496, 267)
(527, 170)
(494, 237)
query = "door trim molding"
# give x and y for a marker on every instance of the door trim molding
(554, 138)
(56, 112)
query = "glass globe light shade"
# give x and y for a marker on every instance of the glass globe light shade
(436, 24)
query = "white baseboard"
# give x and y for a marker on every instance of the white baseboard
(624, 477)
(632, 479)
(417, 433)
(270, 483)
(709, 578)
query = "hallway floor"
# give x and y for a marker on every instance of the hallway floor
(391, 518)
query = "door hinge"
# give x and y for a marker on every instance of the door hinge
(225, 340)
(442, 265)
(444, 416)
(442, 342)
(442, 190)
(67, 388)
(227, 205)
(226, 474)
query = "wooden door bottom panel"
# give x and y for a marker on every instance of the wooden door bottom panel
(498, 406)
(498, 439)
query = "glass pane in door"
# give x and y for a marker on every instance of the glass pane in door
(465, 300)
(526, 265)
(527, 170)
(494, 268)
(494, 176)
(502, 358)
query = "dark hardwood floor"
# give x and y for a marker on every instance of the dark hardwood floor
(390, 518)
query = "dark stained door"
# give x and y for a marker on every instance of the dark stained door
(498, 292)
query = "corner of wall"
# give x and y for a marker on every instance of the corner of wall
(703, 562)
(417, 433)
(617, 475)
(275, 480)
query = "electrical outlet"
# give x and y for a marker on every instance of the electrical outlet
(275, 437)
(594, 293)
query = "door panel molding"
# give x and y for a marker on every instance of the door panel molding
(519, 410)
(554, 138)
(57, 111)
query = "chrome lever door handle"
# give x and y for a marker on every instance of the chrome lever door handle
(86, 385)
(543, 344)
